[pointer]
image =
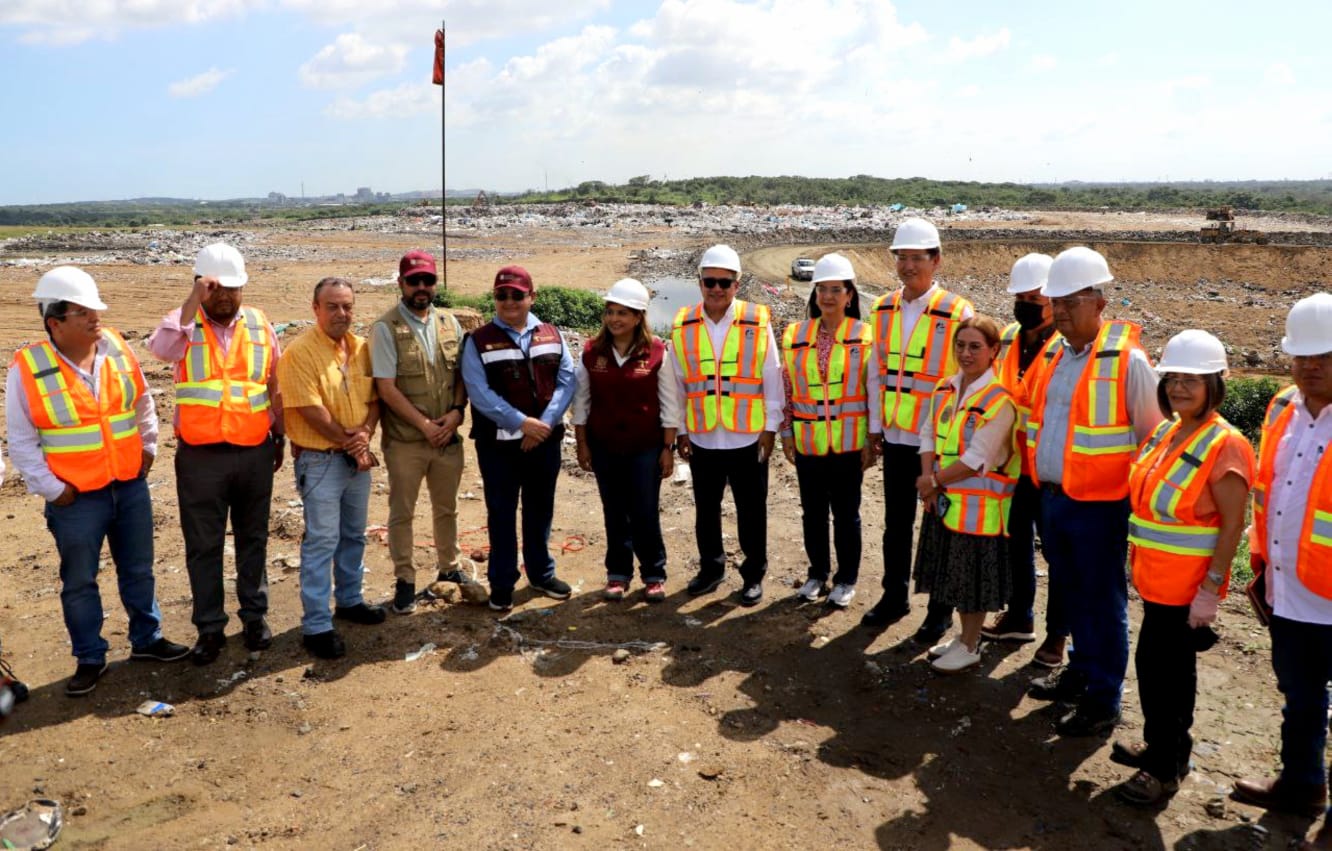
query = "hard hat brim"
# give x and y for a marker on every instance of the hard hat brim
(1307, 350)
(1015, 290)
(234, 282)
(624, 302)
(1162, 370)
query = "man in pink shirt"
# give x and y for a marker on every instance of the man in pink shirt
(230, 440)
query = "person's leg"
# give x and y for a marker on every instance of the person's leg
(442, 479)
(615, 485)
(1061, 546)
(708, 474)
(251, 499)
(499, 476)
(812, 473)
(406, 465)
(843, 488)
(540, 472)
(1022, 512)
(1102, 533)
(749, 488)
(130, 540)
(349, 557)
(643, 498)
(319, 480)
(1166, 664)
(971, 627)
(901, 468)
(1301, 659)
(201, 492)
(79, 529)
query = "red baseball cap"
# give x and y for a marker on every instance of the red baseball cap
(416, 263)
(515, 277)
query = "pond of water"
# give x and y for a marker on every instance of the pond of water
(668, 296)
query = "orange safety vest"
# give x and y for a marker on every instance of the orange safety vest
(978, 504)
(1007, 367)
(1171, 547)
(1100, 445)
(222, 397)
(726, 391)
(88, 442)
(1313, 563)
(832, 414)
(910, 367)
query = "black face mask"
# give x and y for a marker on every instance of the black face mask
(1029, 314)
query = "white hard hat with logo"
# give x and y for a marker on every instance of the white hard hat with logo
(915, 233)
(833, 267)
(1309, 326)
(1193, 352)
(1076, 269)
(68, 283)
(223, 262)
(629, 293)
(720, 257)
(1029, 273)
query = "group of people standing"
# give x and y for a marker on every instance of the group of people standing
(1056, 423)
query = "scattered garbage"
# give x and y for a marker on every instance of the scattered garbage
(35, 825)
(681, 474)
(654, 783)
(425, 650)
(156, 709)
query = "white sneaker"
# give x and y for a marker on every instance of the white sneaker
(942, 648)
(810, 591)
(841, 596)
(959, 658)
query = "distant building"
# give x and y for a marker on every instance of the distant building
(363, 193)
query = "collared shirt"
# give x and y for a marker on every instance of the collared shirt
(992, 443)
(169, 342)
(312, 373)
(773, 397)
(670, 403)
(25, 448)
(492, 405)
(1297, 457)
(911, 310)
(384, 352)
(1140, 397)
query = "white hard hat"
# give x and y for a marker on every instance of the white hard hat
(833, 267)
(223, 262)
(720, 257)
(629, 293)
(1076, 269)
(68, 283)
(915, 233)
(1193, 352)
(1309, 326)
(1029, 273)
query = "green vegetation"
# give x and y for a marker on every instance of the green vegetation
(141, 212)
(567, 308)
(1246, 404)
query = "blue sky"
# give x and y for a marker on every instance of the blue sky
(225, 98)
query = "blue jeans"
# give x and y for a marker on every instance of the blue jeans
(630, 486)
(1086, 545)
(511, 475)
(1302, 661)
(336, 498)
(122, 515)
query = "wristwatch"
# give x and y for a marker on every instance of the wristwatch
(1216, 577)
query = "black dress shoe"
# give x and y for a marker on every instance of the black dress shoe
(325, 645)
(85, 679)
(257, 635)
(885, 613)
(207, 648)
(1086, 721)
(931, 632)
(160, 650)
(361, 613)
(704, 583)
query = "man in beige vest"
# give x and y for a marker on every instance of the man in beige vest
(415, 361)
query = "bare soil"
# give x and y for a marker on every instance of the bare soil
(781, 726)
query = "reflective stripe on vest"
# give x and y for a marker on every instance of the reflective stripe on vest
(978, 504)
(726, 392)
(909, 368)
(829, 415)
(222, 396)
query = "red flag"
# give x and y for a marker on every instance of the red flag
(439, 58)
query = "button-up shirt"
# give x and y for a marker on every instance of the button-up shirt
(312, 373)
(991, 445)
(1298, 454)
(495, 407)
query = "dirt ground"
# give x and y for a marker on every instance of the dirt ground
(781, 726)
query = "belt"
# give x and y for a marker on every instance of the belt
(1053, 489)
(297, 449)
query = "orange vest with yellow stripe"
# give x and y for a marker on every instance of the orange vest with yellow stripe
(222, 397)
(87, 442)
(1171, 547)
(978, 504)
(1313, 563)
(1101, 443)
(911, 366)
(725, 390)
(828, 414)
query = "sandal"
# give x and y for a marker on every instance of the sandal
(33, 826)
(1145, 790)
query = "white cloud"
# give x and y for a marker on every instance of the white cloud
(968, 91)
(1108, 59)
(406, 99)
(351, 60)
(1191, 82)
(960, 50)
(198, 84)
(50, 22)
(1042, 63)
(469, 21)
(1280, 74)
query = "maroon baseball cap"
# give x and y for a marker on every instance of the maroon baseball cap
(416, 263)
(514, 276)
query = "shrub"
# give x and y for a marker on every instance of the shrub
(483, 304)
(570, 308)
(1246, 403)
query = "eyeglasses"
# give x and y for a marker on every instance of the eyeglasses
(834, 291)
(509, 294)
(1188, 382)
(1068, 302)
(724, 283)
(421, 281)
(973, 346)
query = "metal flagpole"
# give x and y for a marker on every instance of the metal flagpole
(443, 167)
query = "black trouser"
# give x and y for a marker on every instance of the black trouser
(831, 483)
(712, 470)
(212, 480)
(901, 468)
(1167, 668)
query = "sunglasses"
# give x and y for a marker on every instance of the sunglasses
(509, 294)
(421, 281)
(724, 283)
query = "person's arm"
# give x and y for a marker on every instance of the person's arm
(582, 399)
(1143, 409)
(169, 340)
(563, 396)
(992, 444)
(319, 418)
(788, 427)
(25, 449)
(873, 389)
(145, 418)
(384, 369)
(681, 435)
(1230, 493)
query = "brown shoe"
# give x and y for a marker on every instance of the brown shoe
(1272, 794)
(1051, 652)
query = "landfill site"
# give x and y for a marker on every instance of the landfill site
(588, 724)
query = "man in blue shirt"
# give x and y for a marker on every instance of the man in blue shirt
(520, 380)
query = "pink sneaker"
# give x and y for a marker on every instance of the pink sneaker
(655, 592)
(615, 590)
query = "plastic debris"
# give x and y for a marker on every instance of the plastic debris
(156, 709)
(425, 650)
